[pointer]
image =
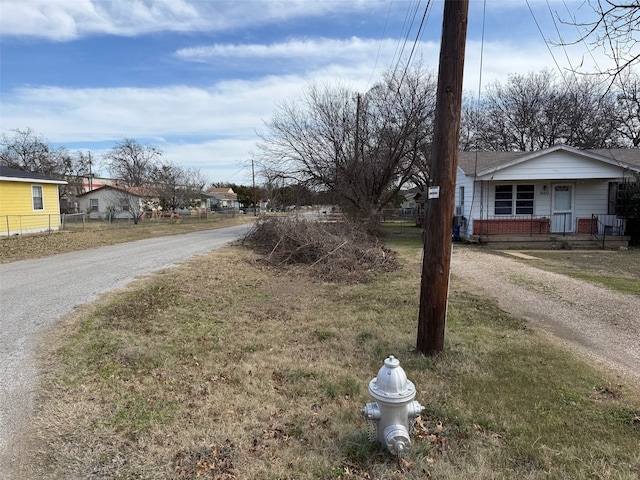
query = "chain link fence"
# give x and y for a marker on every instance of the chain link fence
(41, 223)
(22, 224)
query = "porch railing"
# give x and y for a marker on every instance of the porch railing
(603, 226)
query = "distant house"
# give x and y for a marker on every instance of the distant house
(110, 202)
(557, 191)
(29, 202)
(222, 199)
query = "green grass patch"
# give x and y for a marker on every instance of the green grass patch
(617, 270)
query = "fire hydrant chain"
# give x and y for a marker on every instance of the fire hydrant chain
(372, 431)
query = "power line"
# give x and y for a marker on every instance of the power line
(384, 30)
(415, 42)
(408, 24)
(581, 36)
(475, 166)
(545, 41)
(564, 48)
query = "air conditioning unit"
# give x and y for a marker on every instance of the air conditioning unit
(459, 210)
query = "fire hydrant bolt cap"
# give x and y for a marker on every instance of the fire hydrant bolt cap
(391, 362)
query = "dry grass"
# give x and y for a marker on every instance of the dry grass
(22, 247)
(229, 368)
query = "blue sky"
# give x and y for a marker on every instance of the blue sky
(197, 78)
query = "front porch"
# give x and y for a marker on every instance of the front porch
(550, 232)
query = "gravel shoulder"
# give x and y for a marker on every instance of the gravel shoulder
(599, 323)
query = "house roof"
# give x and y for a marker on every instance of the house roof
(222, 193)
(16, 175)
(137, 191)
(481, 163)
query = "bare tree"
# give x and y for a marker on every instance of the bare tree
(527, 113)
(176, 187)
(628, 107)
(131, 162)
(535, 111)
(363, 147)
(26, 150)
(614, 29)
(593, 118)
(130, 200)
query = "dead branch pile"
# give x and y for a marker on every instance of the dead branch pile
(336, 252)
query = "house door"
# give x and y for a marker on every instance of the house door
(562, 209)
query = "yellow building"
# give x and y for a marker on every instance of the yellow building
(29, 202)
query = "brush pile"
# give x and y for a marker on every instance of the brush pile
(335, 251)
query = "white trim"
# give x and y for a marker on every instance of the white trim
(31, 180)
(539, 153)
(33, 198)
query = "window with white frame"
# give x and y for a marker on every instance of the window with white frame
(514, 198)
(524, 199)
(36, 195)
(504, 200)
(93, 204)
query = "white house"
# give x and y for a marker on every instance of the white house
(222, 199)
(559, 190)
(109, 201)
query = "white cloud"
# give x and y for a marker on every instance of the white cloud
(109, 113)
(325, 48)
(226, 159)
(69, 19)
(213, 127)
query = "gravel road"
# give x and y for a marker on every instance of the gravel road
(597, 322)
(35, 293)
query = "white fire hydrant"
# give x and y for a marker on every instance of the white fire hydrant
(391, 417)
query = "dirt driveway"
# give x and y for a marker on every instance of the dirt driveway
(599, 323)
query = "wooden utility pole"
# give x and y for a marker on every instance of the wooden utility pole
(436, 262)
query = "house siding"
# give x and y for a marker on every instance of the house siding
(557, 165)
(16, 208)
(106, 198)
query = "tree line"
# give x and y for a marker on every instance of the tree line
(365, 147)
(136, 168)
(359, 149)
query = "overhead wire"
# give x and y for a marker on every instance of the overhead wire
(415, 42)
(475, 166)
(562, 43)
(581, 37)
(384, 30)
(546, 42)
(406, 32)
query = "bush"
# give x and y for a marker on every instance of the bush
(335, 251)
